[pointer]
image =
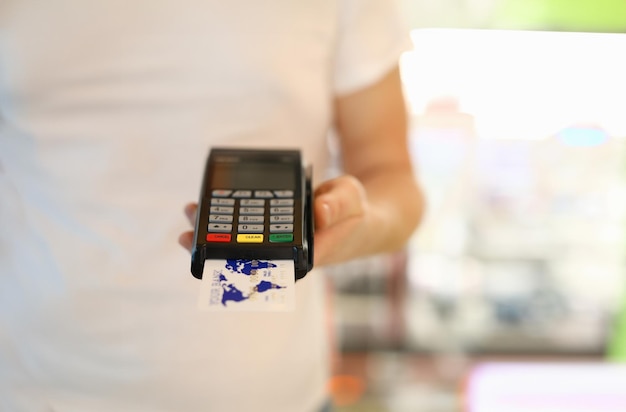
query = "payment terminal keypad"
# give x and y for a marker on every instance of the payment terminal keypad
(251, 216)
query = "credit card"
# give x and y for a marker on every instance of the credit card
(247, 285)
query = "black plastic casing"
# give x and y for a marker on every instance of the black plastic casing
(300, 250)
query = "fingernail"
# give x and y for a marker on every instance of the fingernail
(328, 214)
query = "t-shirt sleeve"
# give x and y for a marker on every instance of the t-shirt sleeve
(372, 34)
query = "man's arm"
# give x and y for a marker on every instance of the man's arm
(377, 205)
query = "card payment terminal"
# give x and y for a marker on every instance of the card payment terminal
(254, 204)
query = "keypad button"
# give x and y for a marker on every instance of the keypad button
(218, 237)
(249, 238)
(281, 219)
(252, 202)
(222, 202)
(281, 202)
(281, 237)
(251, 210)
(283, 193)
(242, 193)
(263, 194)
(282, 228)
(281, 211)
(220, 218)
(245, 228)
(221, 193)
(251, 219)
(221, 210)
(219, 227)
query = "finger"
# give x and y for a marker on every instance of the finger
(186, 240)
(190, 211)
(339, 199)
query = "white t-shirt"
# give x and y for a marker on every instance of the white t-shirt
(107, 111)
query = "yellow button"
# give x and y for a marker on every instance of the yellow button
(250, 238)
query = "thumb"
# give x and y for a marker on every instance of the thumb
(337, 200)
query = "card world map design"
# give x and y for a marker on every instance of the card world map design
(247, 285)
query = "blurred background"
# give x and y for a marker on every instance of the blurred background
(510, 295)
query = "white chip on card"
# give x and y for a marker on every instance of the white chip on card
(248, 285)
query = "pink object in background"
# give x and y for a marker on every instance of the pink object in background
(546, 387)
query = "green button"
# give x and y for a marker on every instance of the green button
(281, 237)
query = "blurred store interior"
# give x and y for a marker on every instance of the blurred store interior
(509, 297)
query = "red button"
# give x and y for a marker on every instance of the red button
(218, 237)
